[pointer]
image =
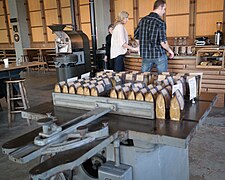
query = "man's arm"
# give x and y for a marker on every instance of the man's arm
(165, 45)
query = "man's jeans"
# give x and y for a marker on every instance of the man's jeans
(161, 64)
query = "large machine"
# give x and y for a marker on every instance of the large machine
(102, 143)
(73, 53)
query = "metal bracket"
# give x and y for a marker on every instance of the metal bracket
(106, 105)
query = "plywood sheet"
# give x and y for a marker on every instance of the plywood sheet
(121, 5)
(84, 14)
(34, 5)
(49, 4)
(66, 16)
(3, 36)
(1, 8)
(177, 7)
(50, 36)
(86, 28)
(51, 17)
(84, 1)
(37, 34)
(209, 5)
(206, 23)
(65, 3)
(2, 22)
(130, 27)
(177, 25)
(35, 18)
(145, 7)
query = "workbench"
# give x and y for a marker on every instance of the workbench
(159, 151)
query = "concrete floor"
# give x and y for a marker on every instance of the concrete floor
(206, 149)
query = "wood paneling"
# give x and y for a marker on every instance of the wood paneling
(35, 18)
(2, 22)
(66, 16)
(130, 27)
(51, 17)
(206, 23)
(7, 6)
(145, 7)
(121, 5)
(37, 34)
(86, 28)
(84, 1)
(1, 8)
(3, 36)
(177, 25)
(34, 5)
(177, 7)
(65, 3)
(50, 36)
(84, 14)
(50, 4)
(209, 5)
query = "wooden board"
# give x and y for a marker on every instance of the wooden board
(34, 5)
(177, 7)
(209, 5)
(145, 7)
(51, 17)
(206, 23)
(37, 34)
(49, 4)
(35, 18)
(177, 25)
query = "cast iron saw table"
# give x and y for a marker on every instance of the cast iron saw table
(159, 151)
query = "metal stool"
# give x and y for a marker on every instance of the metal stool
(13, 99)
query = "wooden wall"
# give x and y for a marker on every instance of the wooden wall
(185, 18)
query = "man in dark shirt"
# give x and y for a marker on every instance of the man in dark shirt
(151, 34)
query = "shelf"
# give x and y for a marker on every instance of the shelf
(210, 56)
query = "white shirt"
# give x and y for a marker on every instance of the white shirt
(119, 37)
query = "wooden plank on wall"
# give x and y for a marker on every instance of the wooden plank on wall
(37, 34)
(177, 7)
(1, 8)
(130, 28)
(66, 15)
(206, 23)
(2, 22)
(3, 36)
(50, 4)
(84, 14)
(145, 7)
(84, 1)
(86, 28)
(177, 25)
(34, 5)
(65, 3)
(51, 17)
(209, 5)
(121, 5)
(50, 36)
(35, 18)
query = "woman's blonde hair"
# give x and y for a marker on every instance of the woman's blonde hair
(121, 16)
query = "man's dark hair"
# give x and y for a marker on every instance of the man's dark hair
(111, 26)
(158, 3)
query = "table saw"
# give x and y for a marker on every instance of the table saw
(134, 145)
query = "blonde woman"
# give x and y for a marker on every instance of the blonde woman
(119, 42)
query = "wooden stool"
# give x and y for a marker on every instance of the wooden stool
(12, 98)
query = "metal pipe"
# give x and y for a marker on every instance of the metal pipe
(93, 29)
(72, 7)
(116, 144)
